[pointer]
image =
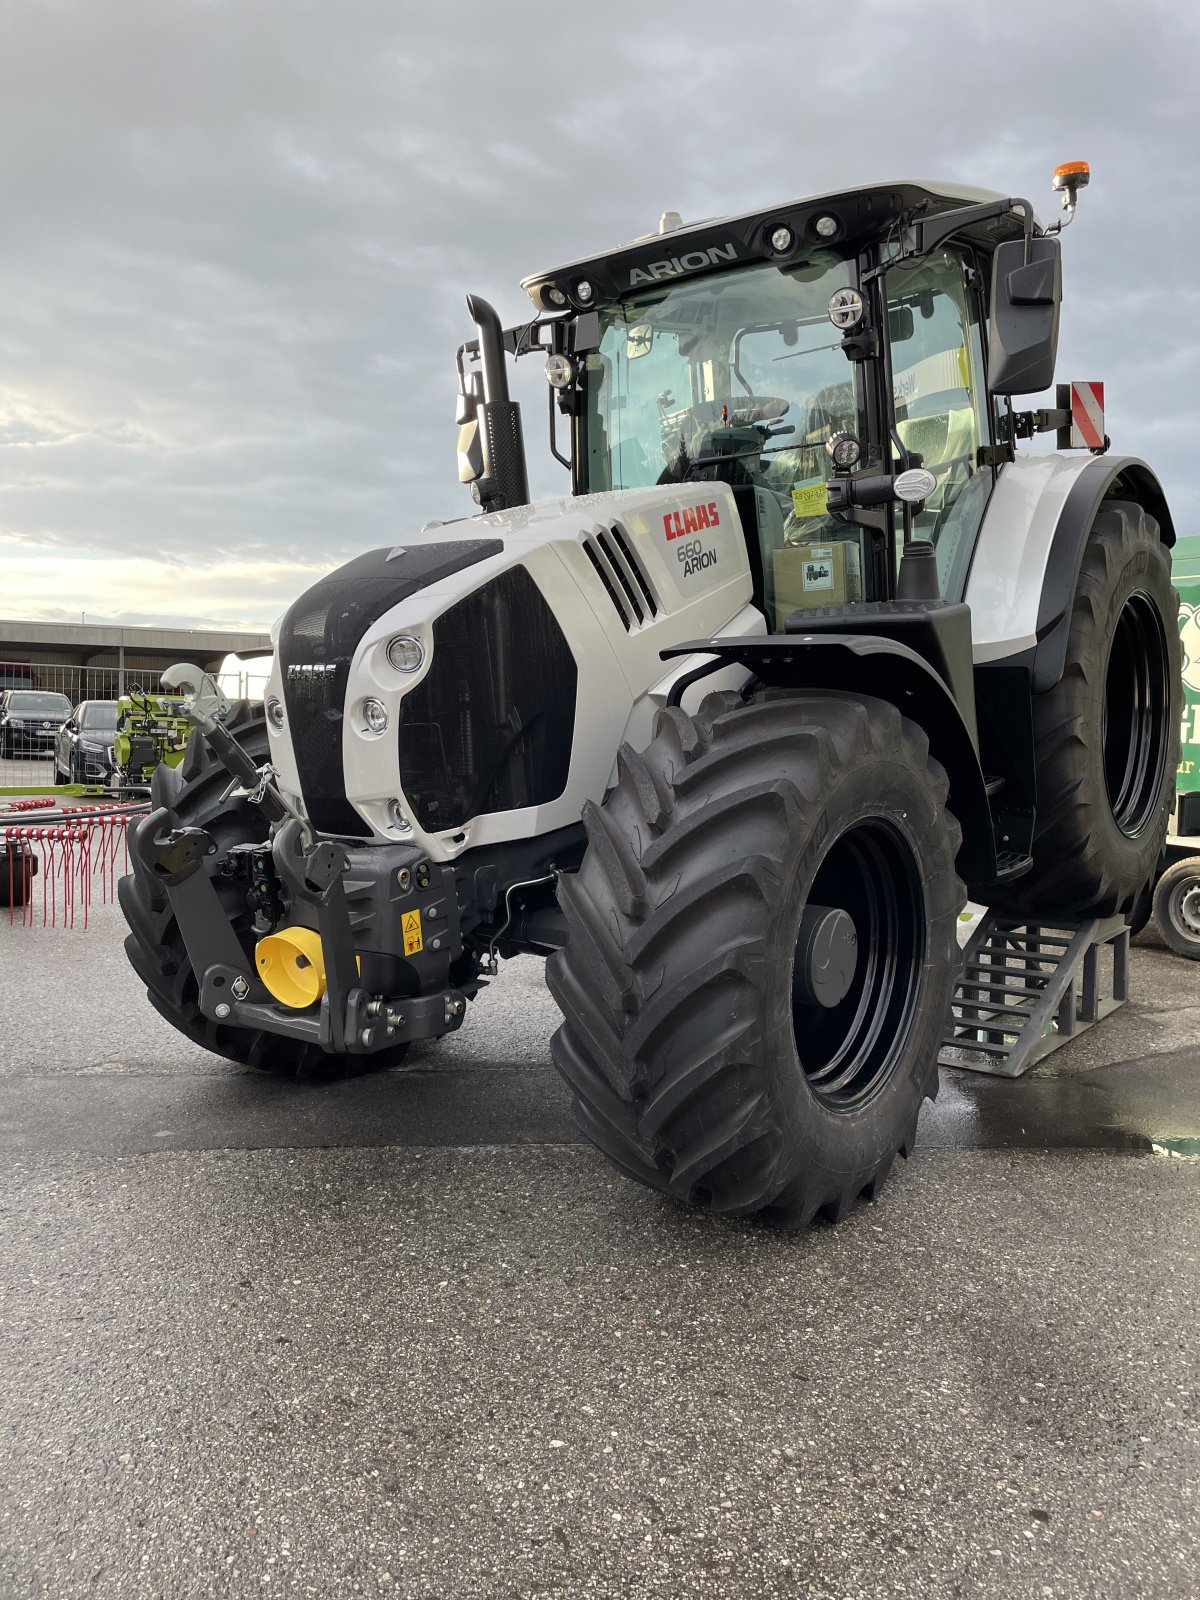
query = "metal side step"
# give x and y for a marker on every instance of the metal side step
(1027, 987)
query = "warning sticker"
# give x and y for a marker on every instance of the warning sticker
(410, 925)
(808, 499)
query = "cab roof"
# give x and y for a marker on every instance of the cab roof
(716, 242)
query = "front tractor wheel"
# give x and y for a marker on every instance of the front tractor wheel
(761, 953)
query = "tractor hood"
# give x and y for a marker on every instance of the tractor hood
(474, 684)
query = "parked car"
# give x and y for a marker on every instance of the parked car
(30, 719)
(83, 747)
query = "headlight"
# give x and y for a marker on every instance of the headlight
(374, 716)
(274, 710)
(90, 748)
(406, 653)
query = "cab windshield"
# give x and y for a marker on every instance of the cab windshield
(738, 375)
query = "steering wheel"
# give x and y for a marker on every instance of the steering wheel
(685, 430)
(742, 410)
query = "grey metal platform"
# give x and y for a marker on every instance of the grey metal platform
(1027, 987)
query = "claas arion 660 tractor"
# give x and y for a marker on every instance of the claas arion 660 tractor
(811, 650)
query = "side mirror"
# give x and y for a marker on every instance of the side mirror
(639, 341)
(1023, 339)
(470, 438)
(471, 466)
(900, 324)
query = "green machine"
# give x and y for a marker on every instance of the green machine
(150, 732)
(1177, 893)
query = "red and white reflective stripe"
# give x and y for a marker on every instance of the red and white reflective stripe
(1087, 416)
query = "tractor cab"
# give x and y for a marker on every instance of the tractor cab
(838, 362)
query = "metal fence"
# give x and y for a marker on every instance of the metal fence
(38, 698)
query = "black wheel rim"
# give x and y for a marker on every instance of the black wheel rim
(849, 1051)
(1137, 699)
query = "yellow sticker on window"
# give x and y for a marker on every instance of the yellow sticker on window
(411, 928)
(809, 499)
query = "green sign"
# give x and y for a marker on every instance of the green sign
(1186, 568)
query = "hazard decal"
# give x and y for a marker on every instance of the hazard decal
(410, 926)
(1087, 416)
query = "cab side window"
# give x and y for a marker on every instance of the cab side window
(939, 391)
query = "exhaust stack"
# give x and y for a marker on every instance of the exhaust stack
(491, 444)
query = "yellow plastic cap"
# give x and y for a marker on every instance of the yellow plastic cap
(291, 964)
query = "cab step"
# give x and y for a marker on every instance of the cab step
(1027, 987)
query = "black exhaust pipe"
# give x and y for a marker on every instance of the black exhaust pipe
(507, 480)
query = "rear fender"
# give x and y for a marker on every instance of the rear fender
(887, 670)
(1025, 565)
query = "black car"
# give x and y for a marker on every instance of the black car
(83, 749)
(30, 719)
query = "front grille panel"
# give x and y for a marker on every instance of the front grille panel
(489, 727)
(317, 641)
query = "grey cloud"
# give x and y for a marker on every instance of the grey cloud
(237, 236)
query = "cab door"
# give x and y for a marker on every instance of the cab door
(936, 340)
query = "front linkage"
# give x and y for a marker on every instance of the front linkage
(390, 897)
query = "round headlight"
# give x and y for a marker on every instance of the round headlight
(397, 819)
(374, 715)
(559, 371)
(406, 653)
(274, 710)
(826, 227)
(844, 450)
(555, 296)
(846, 308)
(782, 241)
(584, 293)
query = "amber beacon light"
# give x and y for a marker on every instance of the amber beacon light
(1069, 178)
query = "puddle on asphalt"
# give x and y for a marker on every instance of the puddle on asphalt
(1150, 1105)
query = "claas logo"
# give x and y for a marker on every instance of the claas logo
(690, 520)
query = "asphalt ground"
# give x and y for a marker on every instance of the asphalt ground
(404, 1335)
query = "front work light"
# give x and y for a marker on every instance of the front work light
(274, 710)
(559, 371)
(846, 309)
(844, 450)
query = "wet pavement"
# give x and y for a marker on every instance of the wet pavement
(403, 1335)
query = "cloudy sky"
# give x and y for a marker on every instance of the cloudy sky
(235, 237)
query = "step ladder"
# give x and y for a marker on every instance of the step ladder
(1027, 987)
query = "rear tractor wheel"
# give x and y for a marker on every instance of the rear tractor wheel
(1106, 736)
(761, 953)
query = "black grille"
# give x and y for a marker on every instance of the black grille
(489, 727)
(621, 574)
(317, 641)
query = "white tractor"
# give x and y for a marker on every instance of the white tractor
(810, 651)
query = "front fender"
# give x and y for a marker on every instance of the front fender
(888, 670)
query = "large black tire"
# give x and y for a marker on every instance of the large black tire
(155, 947)
(1177, 907)
(1106, 737)
(677, 979)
